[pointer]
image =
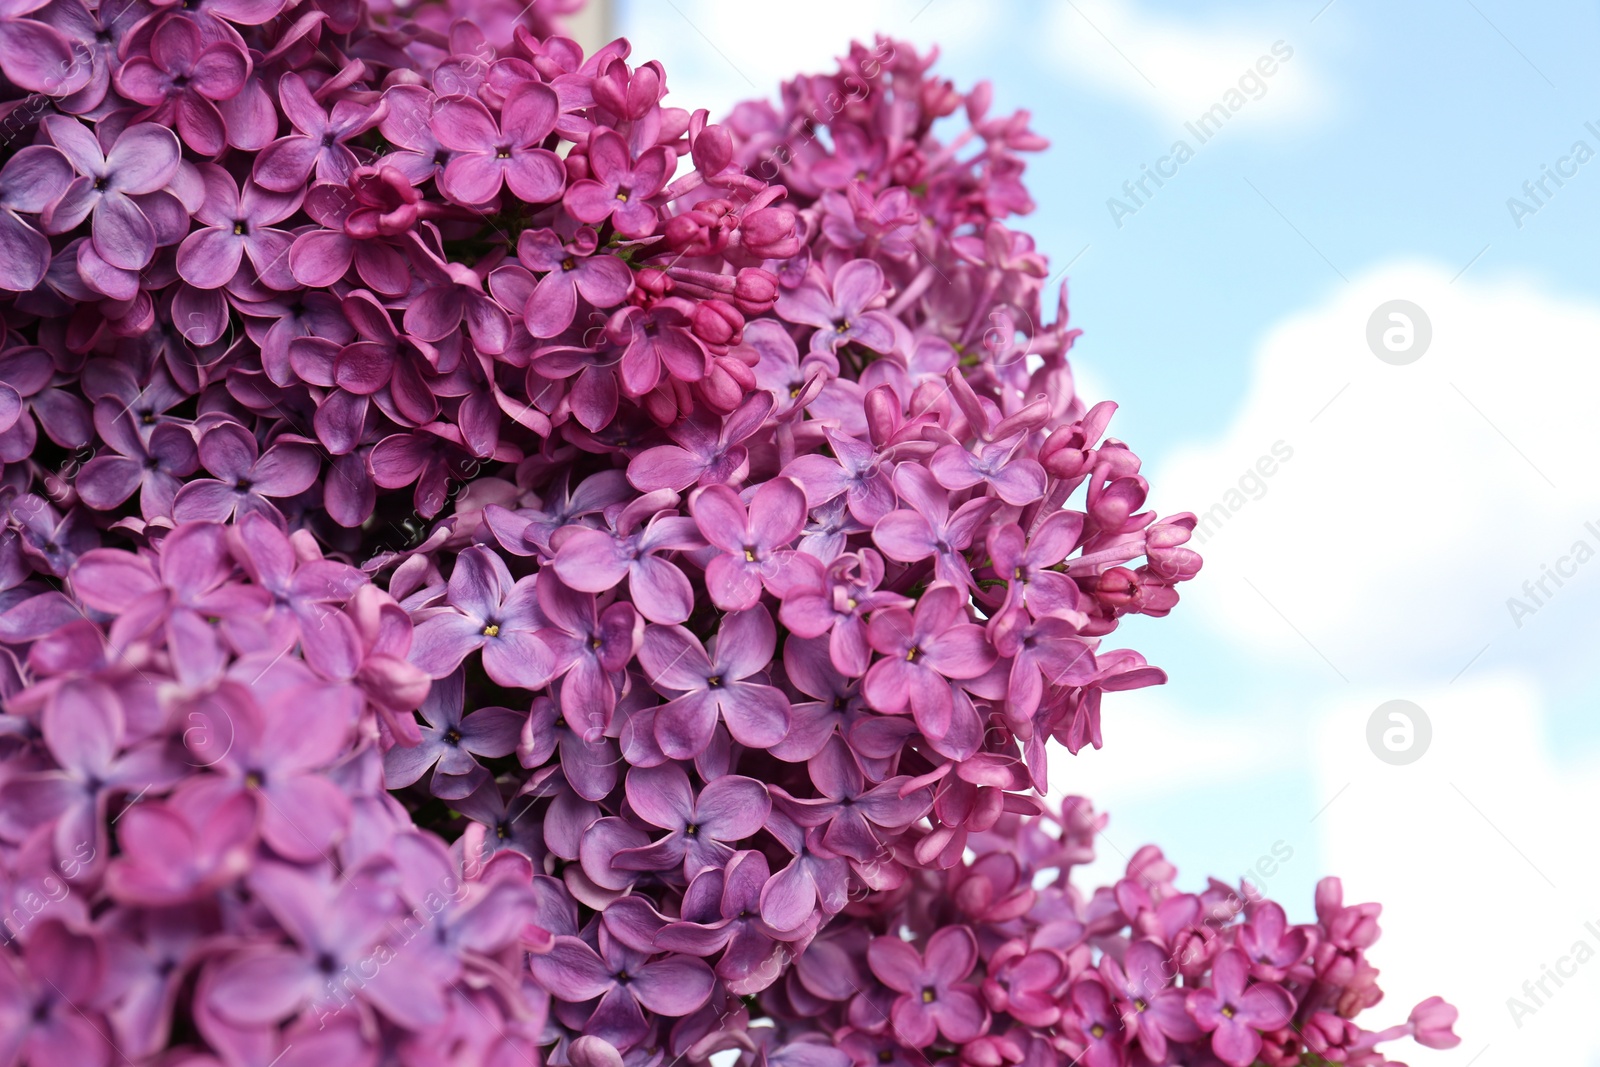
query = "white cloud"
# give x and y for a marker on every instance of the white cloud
(1180, 69)
(719, 52)
(1419, 499)
(1481, 855)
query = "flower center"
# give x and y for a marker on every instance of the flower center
(492, 630)
(452, 736)
(1097, 1031)
(912, 653)
(714, 682)
(569, 264)
(929, 995)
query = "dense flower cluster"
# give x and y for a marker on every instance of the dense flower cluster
(498, 569)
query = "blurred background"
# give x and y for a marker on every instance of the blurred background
(1354, 327)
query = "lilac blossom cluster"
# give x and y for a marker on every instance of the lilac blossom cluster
(498, 569)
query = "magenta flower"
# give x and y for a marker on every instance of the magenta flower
(182, 79)
(840, 309)
(318, 143)
(275, 751)
(1093, 1021)
(754, 544)
(927, 528)
(34, 55)
(150, 465)
(588, 758)
(627, 983)
(84, 728)
(1015, 480)
(593, 561)
(700, 830)
(1028, 565)
(244, 479)
(487, 611)
(857, 819)
(621, 186)
(934, 997)
(571, 269)
(715, 686)
(336, 934)
(48, 1012)
(486, 156)
(590, 647)
(721, 913)
(855, 469)
(142, 160)
(454, 293)
(31, 181)
(1234, 1011)
(1153, 1012)
(703, 453)
(835, 600)
(235, 226)
(920, 651)
(450, 741)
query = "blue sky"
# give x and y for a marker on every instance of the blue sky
(1227, 314)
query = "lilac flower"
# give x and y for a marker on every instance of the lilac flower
(1015, 480)
(487, 611)
(840, 308)
(703, 453)
(621, 186)
(35, 56)
(150, 467)
(407, 126)
(624, 981)
(318, 143)
(857, 819)
(181, 80)
(454, 293)
(589, 646)
(920, 651)
(84, 729)
(483, 157)
(48, 996)
(182, 850)
(336, 933)
(588, 758)
(593, 561)
(245, 479)
(754, 545)
(1234, 1011)
(143, 159)
(729, 809)
(835, 600)
(927, 528)
(360, 222)
(235, 226)
(855, 469)
(715, 686)
(789, 902)
(658, 343)
(450, 741)
(274, 751)
(1153, 1012)
(572, 269)
(1027, 565)
(721, 912)
(31, 181)
(934, 998)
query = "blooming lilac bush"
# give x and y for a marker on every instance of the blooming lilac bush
(499, 569)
